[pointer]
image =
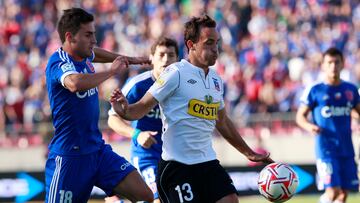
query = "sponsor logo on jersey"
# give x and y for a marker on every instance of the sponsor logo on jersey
(192, 81)
(154, 113)
(89, 64)
(202, 109)
(331, 111)
(216, 83)
(125, 166)
(88, 93)
(67, 67)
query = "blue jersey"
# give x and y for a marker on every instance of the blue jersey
(331, 111)
(134, 90)
(75, 115)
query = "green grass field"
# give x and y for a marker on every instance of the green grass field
(353, 198)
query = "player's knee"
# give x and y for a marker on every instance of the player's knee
(146, 196)
(332, 193)
(342, 195)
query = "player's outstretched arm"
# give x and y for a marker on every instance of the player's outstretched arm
(104, 56)
(122, 127)
(227, 129)
(83, 82)
(133, 111)
(303, 122)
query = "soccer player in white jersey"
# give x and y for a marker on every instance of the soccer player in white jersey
(78, 157)
(331, 102)
(190, 96)
(146, 132)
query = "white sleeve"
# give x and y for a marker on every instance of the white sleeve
(67, 69)
(166, 84)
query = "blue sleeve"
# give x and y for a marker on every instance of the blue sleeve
(61, 70)
(134, 95)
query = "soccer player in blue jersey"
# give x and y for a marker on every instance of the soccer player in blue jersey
(78, 157)
(330, 103)
(146, 132)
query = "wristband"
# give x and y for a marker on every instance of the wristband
(136, 134)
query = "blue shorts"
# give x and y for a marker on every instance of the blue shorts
(337, 172)
(71, 178)
(148, 168)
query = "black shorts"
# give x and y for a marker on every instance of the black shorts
(205, 182)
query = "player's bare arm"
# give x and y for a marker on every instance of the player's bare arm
(357, 108)
(104, 56)
(120, 126)
(303, 122)
(82, 82)
(227, 129)
(133, 111)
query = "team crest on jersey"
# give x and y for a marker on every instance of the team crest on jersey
(349, 95)
(160, 82)
(337, 95)
(216, 83)
(203, 109)
(89, 64)
(67, 67)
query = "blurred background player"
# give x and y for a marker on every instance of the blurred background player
(78, 157)
(146, 132)
(190, 95)
(330, 103)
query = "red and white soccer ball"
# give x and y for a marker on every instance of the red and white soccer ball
(277, 182)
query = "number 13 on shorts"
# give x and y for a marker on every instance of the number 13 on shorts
(185, 193)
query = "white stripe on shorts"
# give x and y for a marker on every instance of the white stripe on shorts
(55, 180)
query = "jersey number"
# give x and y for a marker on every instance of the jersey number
(188, 196)
(66, 196)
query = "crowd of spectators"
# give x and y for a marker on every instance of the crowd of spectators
(270, 49)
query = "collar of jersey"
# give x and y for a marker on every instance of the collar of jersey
(190, 65)
(72, 59)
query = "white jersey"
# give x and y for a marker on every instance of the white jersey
(189, 104)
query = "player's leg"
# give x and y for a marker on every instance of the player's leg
(341, 197)
(220, 188)
(329, 179)
(116, 176)
(349, 179)
(176, 183)
(69, 179)
(134, 188)
(148, 168)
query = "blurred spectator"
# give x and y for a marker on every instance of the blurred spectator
(270, 49)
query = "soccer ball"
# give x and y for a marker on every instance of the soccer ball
(277, 182)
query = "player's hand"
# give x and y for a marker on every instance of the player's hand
(139, 60)
(118, 102)
(255, 157)
(146, 138)
(119, 64)
(314, 129)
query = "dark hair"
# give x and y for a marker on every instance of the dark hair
(71, 20)
(332, 51)
(192, 28)
(164, 41)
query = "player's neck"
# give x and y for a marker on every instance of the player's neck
(333, 81)
(71, 52)
(196, 63)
